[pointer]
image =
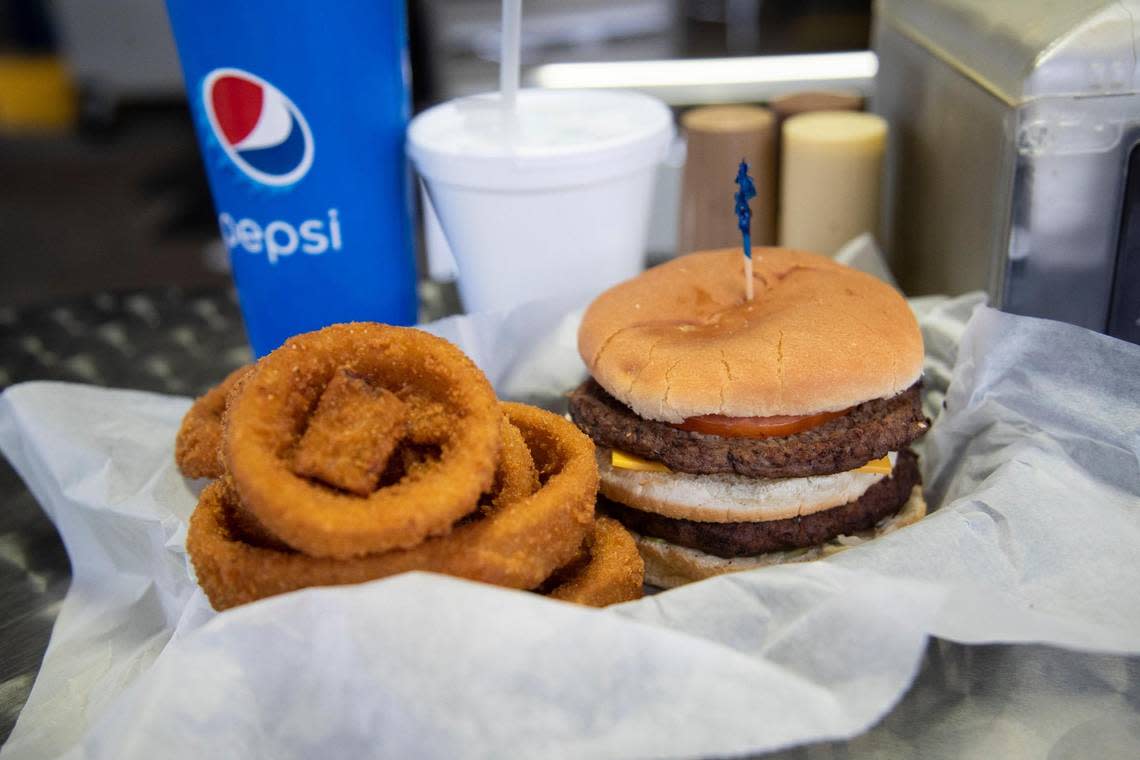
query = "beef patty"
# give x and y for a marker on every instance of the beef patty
(747, 539)
(868, 431)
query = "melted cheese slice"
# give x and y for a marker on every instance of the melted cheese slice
(626, 461)
(882, 466)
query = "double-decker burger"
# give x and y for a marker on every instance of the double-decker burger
(734, 434)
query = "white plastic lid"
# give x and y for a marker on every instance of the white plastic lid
(556, 138)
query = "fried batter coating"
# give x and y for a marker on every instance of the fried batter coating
(197, 449)
(351, 434)
(244, 525)
(516, 477)
(270, 411)
(517, 543)
(612, 571)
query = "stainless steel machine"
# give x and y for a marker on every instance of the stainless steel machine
(1013, 164)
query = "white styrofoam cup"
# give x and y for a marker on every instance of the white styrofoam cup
(552, 199)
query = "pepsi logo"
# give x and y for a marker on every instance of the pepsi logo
(258, 126)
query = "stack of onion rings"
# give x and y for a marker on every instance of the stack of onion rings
(268, 413)
(501, 494)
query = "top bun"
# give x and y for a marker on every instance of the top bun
(680, 340)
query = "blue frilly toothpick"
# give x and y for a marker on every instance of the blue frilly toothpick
(746, 193)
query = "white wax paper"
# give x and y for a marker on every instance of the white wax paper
(1034, 463)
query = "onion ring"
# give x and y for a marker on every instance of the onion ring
(516, 477)
(351, 434)
(612, 572)
(197, 448)
(514, 542)
(243, 524)
(267, 415)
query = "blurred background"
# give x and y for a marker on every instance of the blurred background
(1013, 127)
(101, 184)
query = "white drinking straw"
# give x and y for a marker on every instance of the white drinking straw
(509, 60)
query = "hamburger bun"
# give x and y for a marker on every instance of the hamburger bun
(727, 497)
(680, 341)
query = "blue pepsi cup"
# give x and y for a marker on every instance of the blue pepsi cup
(301, 110)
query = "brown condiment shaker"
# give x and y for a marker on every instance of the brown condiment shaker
(718, 138)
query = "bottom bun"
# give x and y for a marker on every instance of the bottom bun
(668, 565)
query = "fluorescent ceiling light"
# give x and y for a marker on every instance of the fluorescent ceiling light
(697, 80)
